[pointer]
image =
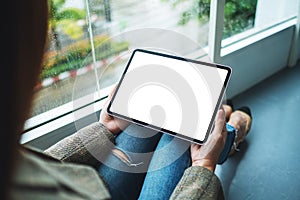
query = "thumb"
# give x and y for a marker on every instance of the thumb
(220, 121)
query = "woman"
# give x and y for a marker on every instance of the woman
(68, 170)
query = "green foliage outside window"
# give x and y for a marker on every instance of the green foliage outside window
(78, 54)
(239, 15)
(64, 20)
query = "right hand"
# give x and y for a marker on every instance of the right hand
(207, 155)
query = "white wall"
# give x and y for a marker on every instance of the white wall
(258, 61)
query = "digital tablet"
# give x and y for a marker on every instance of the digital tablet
(170, 94)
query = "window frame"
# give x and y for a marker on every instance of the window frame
(231, 51)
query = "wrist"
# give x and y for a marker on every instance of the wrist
(111, 126)
(208, 164)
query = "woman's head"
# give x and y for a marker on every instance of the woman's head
(24, 33)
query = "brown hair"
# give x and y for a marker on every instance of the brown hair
(24, 38)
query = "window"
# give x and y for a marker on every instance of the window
(77, 58)
(67, 47)
(239, 16)
(257, 16)
(89, 41)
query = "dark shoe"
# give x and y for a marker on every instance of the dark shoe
(229, 103)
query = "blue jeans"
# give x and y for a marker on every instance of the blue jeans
(155, 163)
(170, 159)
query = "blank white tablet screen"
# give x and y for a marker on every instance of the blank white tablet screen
(170, 93)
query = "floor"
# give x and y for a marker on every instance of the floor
(268, 165)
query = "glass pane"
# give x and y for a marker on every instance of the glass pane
(270, 12)
(67, 47)
(77, 58)
(255, 15)
(239, 16)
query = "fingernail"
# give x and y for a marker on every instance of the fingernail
(221, 113)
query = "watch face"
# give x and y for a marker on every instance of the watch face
(230, 128)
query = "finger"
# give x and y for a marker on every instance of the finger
(220, 122)
(112, 91)
(222, 108)
(195, 146)
(110, 97)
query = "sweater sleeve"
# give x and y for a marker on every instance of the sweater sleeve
(198, 183)
(89, 146)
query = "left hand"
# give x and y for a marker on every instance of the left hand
(207, 155)
(114, 125)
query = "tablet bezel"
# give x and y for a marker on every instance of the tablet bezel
(141, 123)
